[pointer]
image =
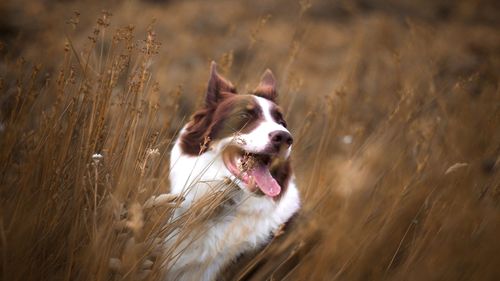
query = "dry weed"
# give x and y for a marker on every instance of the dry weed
(395, 109)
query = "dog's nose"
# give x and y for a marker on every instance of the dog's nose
(279, 138)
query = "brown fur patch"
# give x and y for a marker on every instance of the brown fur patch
(238, 114)
(233, 114)
(193, 138)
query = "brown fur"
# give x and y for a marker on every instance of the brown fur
(194, 137)
(236, 114)
(226, 119)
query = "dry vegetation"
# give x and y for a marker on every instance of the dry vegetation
(395, 108)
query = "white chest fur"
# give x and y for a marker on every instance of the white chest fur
(248, 223)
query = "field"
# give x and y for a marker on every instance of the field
(394, 106)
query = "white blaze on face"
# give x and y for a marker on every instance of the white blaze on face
(258, 139)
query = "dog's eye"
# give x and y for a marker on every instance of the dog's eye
(282, 123)
(278, 117)
(245, 115)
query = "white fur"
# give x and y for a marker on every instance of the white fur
(249, 224)
(258, 139)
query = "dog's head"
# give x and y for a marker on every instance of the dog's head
(248, 131)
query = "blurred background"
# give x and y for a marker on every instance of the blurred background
(395, 106)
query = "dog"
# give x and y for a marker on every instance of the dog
(241, 142)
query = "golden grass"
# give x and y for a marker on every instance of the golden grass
(395, 121)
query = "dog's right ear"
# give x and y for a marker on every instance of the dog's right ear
(216, 86)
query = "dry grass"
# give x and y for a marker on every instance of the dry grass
(395, 109)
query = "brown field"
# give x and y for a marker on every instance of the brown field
(394, 106)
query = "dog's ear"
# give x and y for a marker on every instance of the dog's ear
(267, 86)
(217, 85)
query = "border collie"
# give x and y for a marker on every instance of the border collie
(239, 142)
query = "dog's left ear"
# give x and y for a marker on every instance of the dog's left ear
(267, 86)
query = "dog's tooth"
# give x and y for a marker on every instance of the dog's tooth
(239, 164)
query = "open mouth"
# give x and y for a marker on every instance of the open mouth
(252, 169)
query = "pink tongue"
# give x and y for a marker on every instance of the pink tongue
(265, 181)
